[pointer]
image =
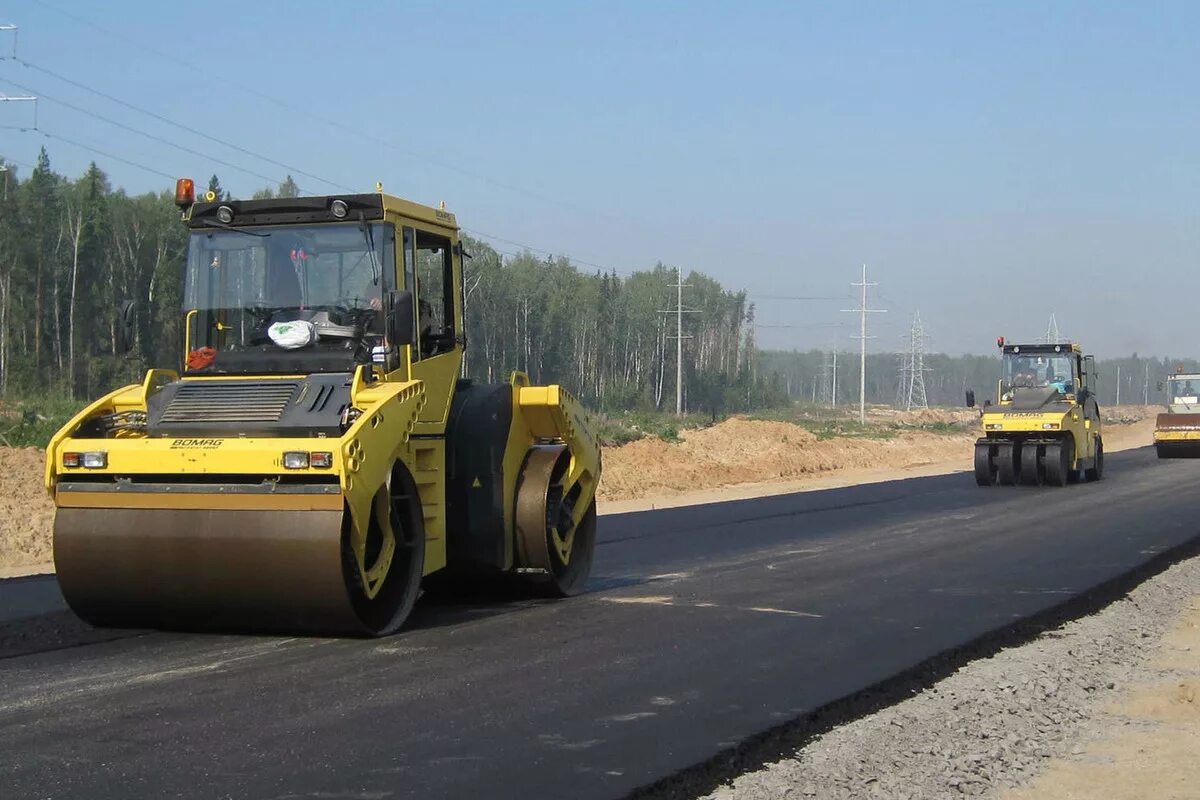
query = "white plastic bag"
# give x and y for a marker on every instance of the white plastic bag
(292, 335)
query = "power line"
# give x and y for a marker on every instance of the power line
(131, 129)
(297, 170)
(792, 297)
(283, 104)
(544, 252)
(99, 152)
(334, 124)
(4, 98)
(251, 153)
(5, 28)
(179, 125)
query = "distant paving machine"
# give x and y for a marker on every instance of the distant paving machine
(1045, 428)
(317, 456)
(1177, 432)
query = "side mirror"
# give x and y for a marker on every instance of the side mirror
(970, 398)
(126, 320)
(1160, 386)
(398, 309)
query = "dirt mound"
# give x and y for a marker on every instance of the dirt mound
(751, 451)
(1127, 414)
(924, 417)
(26, 511)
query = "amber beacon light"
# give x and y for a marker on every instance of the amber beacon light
(185, 192)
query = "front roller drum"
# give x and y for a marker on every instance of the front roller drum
(555, 553)
(234, 570)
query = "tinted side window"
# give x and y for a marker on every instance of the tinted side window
(435, 293)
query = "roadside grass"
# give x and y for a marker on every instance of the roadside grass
(614, 429)
(30, 422)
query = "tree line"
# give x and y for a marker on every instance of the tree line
(72, 250)
(808, 377)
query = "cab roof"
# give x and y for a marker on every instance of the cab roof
(299, 210)
(1043, 349)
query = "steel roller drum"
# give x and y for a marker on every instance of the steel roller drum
(230, 569)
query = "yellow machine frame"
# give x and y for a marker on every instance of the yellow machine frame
(405, 420)
(1052, 440)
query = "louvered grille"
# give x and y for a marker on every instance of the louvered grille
(229, 402)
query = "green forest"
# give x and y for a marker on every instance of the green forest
(72, 250)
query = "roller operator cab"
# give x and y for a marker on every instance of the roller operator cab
(315, 456)
(1045, 427)
(1177, 431)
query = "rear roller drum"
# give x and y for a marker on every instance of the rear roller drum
(985, 465)
(1007, 465)
(1031, 465)
(555, 552)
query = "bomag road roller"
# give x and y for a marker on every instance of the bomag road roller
(1045, 428)
(316, 455)
(1177, 432)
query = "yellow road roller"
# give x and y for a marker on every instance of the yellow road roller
(1045, 427)
(315, 456)
(1177, 432)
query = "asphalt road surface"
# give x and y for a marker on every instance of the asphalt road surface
(704, 626)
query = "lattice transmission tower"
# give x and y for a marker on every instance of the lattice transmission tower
(911, 393)
(1052, 336)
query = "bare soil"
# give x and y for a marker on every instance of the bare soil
(26, 512)
(741, 458)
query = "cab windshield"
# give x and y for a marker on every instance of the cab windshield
(271, 290)
(1184, 391)
(1039, 371)
(311, 266)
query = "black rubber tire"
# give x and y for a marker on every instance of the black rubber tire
(1057, 462)
(985, 465)
(1007, 466)
(1032, 470)
(1096, 472)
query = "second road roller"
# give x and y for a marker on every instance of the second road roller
(315, 456)
(1045, 427)
(1177, 431)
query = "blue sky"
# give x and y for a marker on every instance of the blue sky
(990, 162)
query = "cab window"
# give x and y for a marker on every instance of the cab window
(435, 294)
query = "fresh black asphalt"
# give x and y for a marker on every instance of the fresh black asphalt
(704, 626)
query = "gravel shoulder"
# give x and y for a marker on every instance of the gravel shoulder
(1104, 706)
